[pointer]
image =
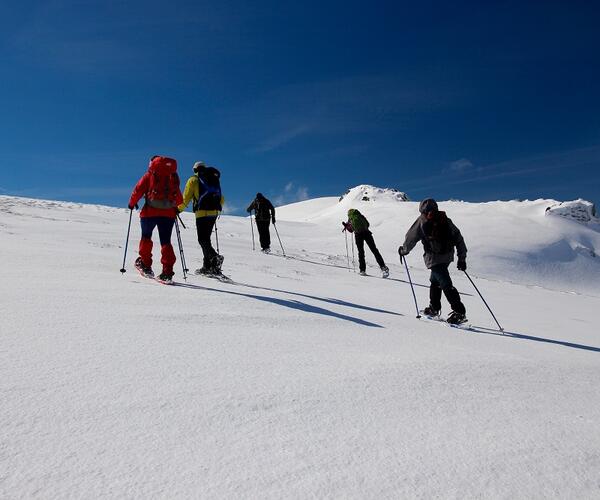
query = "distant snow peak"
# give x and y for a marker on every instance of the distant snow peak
(365, 192)
(578, 210)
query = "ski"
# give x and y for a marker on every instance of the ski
(144, 274)
(216, 276)
(465, 325)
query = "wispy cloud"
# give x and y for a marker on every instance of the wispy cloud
(282, 138)
(291, 194)
(113, 36)
(459, 166)
(341, 106)
(230, 208)
(575, 162)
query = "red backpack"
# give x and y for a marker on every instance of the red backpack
(163, 188)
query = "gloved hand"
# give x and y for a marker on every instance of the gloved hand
(347, 227)
(273, 220)
(131, 207)
(249, 210)
(461, 265)
(402, 251)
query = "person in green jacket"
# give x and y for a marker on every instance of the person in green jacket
(359, 225)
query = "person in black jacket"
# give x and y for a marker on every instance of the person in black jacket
(264, 213)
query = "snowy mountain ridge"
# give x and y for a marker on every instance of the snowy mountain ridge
(537, 242)
(578, 210)
(366, 192)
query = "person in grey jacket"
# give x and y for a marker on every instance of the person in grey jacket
(439, 237)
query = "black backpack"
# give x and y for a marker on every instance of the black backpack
(210, 190)
(437, 236)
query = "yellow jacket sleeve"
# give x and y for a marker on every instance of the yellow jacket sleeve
(191, 191)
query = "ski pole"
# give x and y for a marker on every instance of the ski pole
(181, 255)
(182, 224)
(252, 229)
(347, 253)
(217, 234)
(486, 304)
(127, 240)
(353, 260)
(403, 259)
(277, 233)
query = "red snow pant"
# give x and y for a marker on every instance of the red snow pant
(165, 228)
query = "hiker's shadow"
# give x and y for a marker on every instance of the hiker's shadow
(490, 331)
(292, 304)
(337, 302)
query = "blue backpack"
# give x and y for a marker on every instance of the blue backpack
(210, 190)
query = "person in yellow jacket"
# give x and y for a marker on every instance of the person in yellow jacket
(204, 189)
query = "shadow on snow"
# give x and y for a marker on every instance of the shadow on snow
(292, 304)
(515, 335)
(338, 302)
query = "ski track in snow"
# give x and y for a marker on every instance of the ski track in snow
(301, 379)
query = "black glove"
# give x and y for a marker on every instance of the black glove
(131, 207)
(461, 265)
(402, 251)
(273, 220)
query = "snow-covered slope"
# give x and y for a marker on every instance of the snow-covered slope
(541, 242)
(301, 380)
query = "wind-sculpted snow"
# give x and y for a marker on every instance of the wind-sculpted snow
(507, 240)
(578, 210)
(301, 379)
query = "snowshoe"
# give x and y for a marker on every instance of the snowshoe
(266, 250)
(385, 271)
(362, 273)
(431, 312)
(217, 262)
(145, 271)
(165, 278)
(456, 318)
(213, 273)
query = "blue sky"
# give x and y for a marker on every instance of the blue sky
(464, 100)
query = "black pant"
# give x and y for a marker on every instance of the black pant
(263, 233)
(441, 282)
(204, 227)
(361, 239)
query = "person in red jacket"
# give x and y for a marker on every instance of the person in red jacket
(160, 188)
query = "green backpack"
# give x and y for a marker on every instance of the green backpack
(358, 221)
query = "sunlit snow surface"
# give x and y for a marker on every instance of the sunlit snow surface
(303, 379)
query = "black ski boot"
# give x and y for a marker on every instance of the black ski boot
(217, 262)
(431, 312)
(456, 318)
